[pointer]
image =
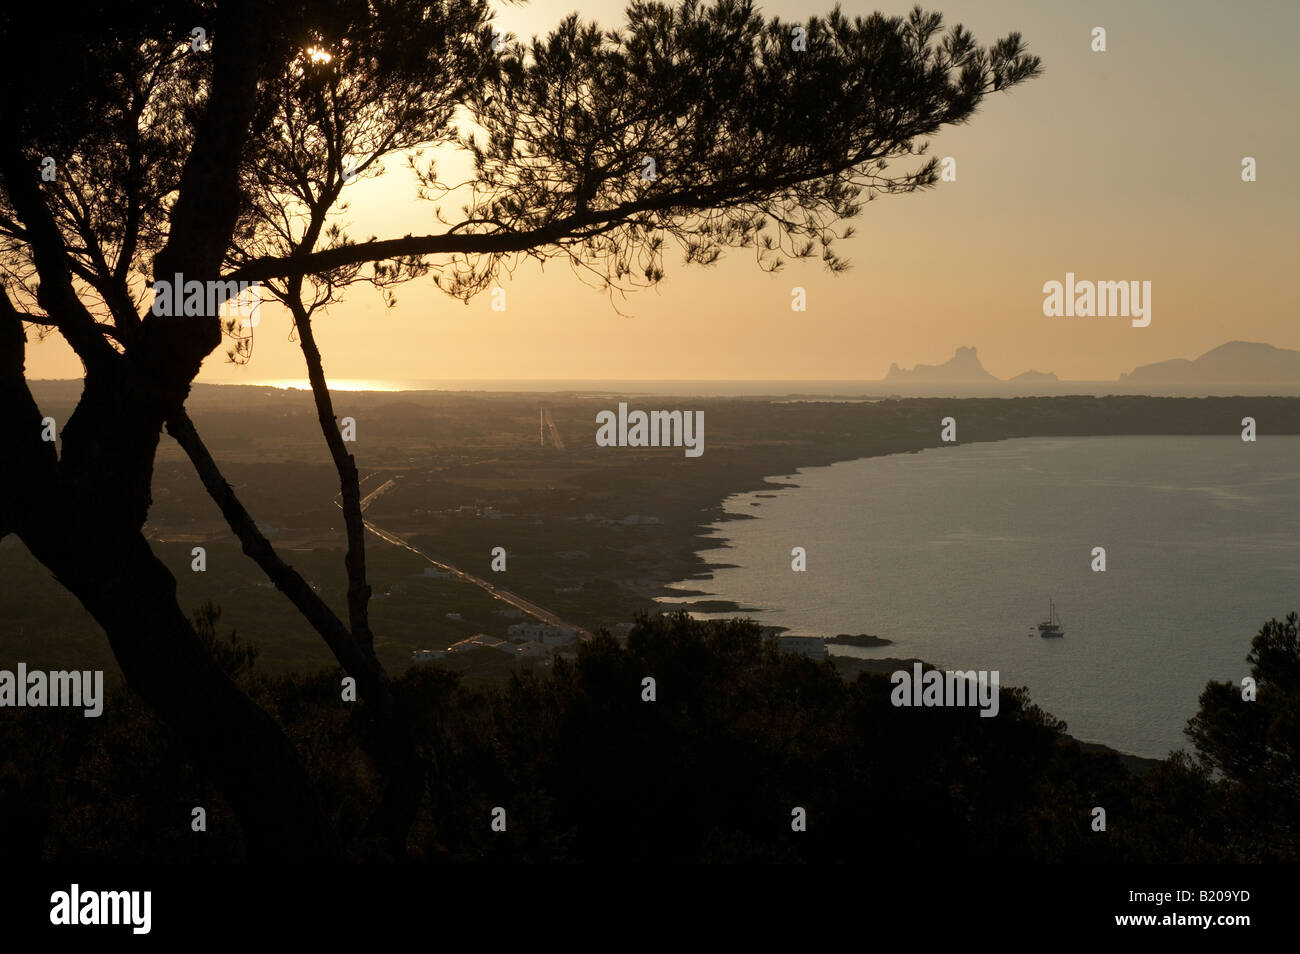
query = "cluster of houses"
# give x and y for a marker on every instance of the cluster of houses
(522, 641)
(534, 640)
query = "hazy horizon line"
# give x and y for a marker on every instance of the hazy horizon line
(776, 387)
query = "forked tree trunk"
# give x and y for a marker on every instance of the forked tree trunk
(133, 596)
(81, 522)
(82, 514)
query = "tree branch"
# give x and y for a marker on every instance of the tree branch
(402, 792)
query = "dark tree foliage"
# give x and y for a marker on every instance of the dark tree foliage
(212, 138)
(1254, 746)
(738, 736)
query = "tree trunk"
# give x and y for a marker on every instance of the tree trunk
(133, 596)
(81, 517)
(405, 773)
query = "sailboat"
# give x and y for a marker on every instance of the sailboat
(1052, 626)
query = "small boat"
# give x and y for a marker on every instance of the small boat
(1052, 625)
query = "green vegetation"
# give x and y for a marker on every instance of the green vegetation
(449, 451)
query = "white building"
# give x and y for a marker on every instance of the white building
(544, 633)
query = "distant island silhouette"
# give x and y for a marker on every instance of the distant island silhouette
(1245, 368)
(1237, 367)
(1236, 361)
(962, 368)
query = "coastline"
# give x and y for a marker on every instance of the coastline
(594, 534)
(859, 431)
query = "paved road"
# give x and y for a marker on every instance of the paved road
(382, 489)
(528, 606)
(556, 439)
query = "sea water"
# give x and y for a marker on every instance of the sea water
(954, 552)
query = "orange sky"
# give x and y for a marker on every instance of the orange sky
(1123, 165)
